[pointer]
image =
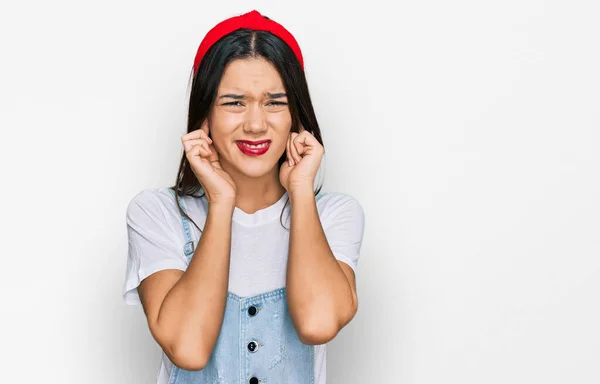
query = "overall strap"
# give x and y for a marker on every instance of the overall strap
(188, 247)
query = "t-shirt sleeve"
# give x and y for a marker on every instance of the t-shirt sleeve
(344, 228)
(154, 240)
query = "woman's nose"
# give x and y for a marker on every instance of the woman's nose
(256, 120)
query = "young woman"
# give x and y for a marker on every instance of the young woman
(265, 276)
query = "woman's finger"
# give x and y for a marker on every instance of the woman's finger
(204, 135)
(288, 151)
(199, 133)
(200, 142)
(198, 151)
(191, 147)
(296, 147)
(191, 135)
(204, 126)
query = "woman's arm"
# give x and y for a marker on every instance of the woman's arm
(185, 309)
(321, 291)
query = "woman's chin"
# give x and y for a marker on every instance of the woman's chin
(255, 169)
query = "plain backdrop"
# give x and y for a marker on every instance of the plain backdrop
(468, 131)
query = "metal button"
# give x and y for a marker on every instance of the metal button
(252, 310)
(252, 346)
(253, 380)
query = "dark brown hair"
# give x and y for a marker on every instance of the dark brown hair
(241, 44)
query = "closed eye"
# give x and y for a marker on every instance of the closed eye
(234, 103)
(240, 104)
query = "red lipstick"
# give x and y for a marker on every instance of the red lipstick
(253, 148)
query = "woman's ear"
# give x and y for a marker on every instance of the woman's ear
(206, 127)
(208, 124)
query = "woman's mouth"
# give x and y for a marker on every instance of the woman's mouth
(255, 148)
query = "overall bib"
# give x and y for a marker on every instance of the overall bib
(257, 342)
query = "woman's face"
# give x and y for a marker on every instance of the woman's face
(251, 105)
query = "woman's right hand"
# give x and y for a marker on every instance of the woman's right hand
(204, 161)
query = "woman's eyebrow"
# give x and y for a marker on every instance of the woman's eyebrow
(231, 96)
(240, 97)
(275, 95)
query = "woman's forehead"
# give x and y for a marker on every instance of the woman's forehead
(255, 75)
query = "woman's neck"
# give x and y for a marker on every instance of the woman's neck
(255, 193)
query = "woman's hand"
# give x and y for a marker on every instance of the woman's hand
(304, 154)
(204, 161)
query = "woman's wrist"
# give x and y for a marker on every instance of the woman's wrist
(221, 208)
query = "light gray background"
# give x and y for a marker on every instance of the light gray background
(466, 129)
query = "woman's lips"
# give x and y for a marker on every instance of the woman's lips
(253, 151)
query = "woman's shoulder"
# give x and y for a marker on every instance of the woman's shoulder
(332, 204)
(153, 197)
(334, 198)
(160, 200)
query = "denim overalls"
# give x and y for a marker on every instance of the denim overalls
(257, 342)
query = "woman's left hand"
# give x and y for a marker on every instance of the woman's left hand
(304, 154)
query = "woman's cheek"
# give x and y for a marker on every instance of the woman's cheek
(230, 121)
(281, 122)
(281, 129)
(225, 124)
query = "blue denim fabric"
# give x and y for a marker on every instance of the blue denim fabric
(278, 355)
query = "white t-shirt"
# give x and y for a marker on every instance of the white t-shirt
(259, 245)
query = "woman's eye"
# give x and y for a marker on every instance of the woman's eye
(239, 104)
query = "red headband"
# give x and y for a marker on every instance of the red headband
(252, 20)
